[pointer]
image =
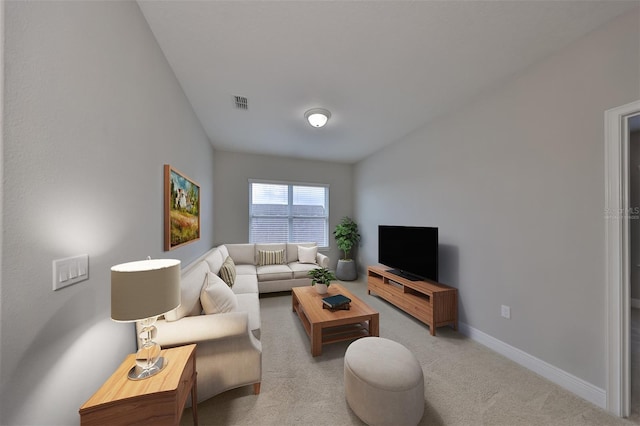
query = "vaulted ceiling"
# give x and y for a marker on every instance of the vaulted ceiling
(383, 68)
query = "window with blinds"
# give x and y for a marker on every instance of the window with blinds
(288, 212)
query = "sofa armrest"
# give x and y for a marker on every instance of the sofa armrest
(201, 328)
(322, 260)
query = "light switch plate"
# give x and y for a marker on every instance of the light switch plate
(505, 311)
(70, 270)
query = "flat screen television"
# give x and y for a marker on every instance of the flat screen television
(411, 251)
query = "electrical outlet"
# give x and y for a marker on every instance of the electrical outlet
(505, 311)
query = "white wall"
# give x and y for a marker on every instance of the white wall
(515, 182)
(92, 112)
(232, 174)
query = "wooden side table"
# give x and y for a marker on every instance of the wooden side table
(158, 400)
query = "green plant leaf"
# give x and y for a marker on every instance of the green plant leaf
(321, 276)
(346, 235)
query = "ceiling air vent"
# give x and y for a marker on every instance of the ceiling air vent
(241, 102)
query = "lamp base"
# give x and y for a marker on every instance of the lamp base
(139, 373)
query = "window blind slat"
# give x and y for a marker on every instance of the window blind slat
(288, 213)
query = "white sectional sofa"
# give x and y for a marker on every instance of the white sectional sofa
(224, 321)
(274, 277)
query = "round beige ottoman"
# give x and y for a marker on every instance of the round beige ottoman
(383, 382)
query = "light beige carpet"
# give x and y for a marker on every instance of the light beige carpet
(465, 383)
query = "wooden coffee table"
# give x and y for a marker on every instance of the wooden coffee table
(324, 326)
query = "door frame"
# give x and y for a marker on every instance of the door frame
(618, 256)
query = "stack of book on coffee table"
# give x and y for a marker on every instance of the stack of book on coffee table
(336, 302)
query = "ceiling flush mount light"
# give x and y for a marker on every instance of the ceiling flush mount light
(317, 117)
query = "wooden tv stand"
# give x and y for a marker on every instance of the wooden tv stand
(433, 303)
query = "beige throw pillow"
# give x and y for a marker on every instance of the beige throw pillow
(216, 296)
(307, 254)
(228, 271)
(270, 257)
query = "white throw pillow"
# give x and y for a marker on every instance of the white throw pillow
(216, 296)
(307, 254)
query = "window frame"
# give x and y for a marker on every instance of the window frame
(290, 216)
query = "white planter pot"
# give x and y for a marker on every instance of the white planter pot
(321, 288)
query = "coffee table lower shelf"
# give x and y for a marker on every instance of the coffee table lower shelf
(345, 332)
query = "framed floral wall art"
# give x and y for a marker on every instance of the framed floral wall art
(181, 209)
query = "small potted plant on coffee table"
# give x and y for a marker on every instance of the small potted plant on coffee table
(347, 237)
(321, 278)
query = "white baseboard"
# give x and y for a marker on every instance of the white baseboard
(560, 377)
(635, 303)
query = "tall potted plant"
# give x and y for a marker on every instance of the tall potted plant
(347, 237)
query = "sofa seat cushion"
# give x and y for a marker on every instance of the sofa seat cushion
(245, 284)
(191, 282)
(245, 269)
(250, 303)
(300, 270)
(274, 272)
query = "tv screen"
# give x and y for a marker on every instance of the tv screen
(412, 251)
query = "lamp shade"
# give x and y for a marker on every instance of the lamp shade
(144, 289)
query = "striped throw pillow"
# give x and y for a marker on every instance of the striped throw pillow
(270, 257)
(228, 271)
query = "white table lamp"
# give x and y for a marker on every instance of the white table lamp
(141, 291)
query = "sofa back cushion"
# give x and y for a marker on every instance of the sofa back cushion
(215, 260)
(242, 253)
(191, 283)
(223, 251)
(292, 250)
